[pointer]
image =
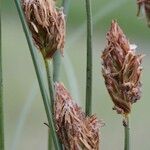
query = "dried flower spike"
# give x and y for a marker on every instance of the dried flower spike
(121, 70)
(47, 25)
(144, 4)
(75, 130)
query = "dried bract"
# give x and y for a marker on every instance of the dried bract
(121, 70)
(144, 4)
(47, 25)
(75, 130)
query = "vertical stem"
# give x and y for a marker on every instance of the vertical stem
(45, 97)
(56, 65)
(127, 135)
(57, 55)
(57, 62)
(52, 98)
(50, 84)
(89, 59)
(1, 99)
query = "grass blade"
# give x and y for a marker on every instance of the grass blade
(57, 55)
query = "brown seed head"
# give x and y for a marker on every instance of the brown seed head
(47, 25)
(75, 130)
(145, 4)
(121, 70)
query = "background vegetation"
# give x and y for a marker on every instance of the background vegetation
(21, 91)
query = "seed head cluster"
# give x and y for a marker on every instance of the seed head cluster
(47, 25)
(75, 130)
(121, 70)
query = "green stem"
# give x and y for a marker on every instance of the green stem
(57, 55)
(50, 84)
(52, 98)
(57, 62)
(127, 135)
(56, 65)
(89, 59)
(45, 97)
(1, 99)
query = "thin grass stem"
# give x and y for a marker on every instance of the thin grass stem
(127, 135)
(52, 97)
(88, 106)
(45, 97)
(50, 83)
(1, 99)
(57, 62)
(57, 55)
(56, 66)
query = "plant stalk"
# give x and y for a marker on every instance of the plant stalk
(45, 97)
(50, 84)
(127, 135)
(56, 66)
(89, 59)
(57, 62)
(52, 98)
(1, 99)
(57, 55)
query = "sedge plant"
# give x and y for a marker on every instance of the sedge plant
(70, 128)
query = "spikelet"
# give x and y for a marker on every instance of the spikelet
(121, 70)
(47, 25)
(144, 4)
(75, 130)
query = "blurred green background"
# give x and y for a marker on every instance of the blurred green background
(21, 91)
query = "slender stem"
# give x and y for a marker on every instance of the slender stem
(127, 135)
(56, 65)
(52, 98)
(50, 84)
(57, 62)
(45, 97)
(89, 59)
(1, 99)
(57, 55)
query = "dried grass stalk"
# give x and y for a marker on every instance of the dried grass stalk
(47, 25)
(144, 4)
(75, 130)
(121, 70)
